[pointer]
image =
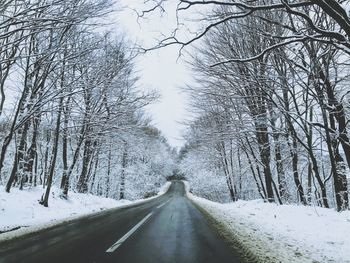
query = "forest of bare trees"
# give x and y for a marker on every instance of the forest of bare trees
(174, 131)
(270, 99)
(71, 111)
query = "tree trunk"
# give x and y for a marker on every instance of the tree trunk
(264, 150)
(122, 176)
(82, 182)
(75, 159)
(45, 200)
(65, 146)
(18, 162)
(32, 151)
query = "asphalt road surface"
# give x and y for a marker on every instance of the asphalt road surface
(165, 229)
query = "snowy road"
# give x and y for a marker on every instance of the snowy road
(165, 229)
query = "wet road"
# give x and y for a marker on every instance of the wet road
(165, 229)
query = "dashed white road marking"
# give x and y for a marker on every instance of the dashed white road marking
(128, 234)
(163, 204)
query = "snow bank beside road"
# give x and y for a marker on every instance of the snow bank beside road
(286, 233)
(21, 209)
(164, 188)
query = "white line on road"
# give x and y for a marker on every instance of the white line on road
(131, 231)
(163, 204)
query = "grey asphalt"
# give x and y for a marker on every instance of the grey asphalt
(175, 231)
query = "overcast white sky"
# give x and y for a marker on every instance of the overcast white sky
(160, 69)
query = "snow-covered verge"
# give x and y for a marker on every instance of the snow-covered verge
(164, 188)
(286, 233)
(21, 212)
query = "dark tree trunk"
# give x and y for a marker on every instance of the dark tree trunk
(65, 147)
(257, 167)
(122, 175)
(108, 170)
(339, 176)
(19, 156)
(340, 181)
(264, 150)
(309, 167)
(260, 189)
(32, 151)
(230, 184)
(45, 200)
(82, 181)
(93, 179)
(74, 161)
(294, 154)
(46, 157)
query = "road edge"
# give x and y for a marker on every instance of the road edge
(230, 237)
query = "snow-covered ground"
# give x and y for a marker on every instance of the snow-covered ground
(286, 233)
(21, 209)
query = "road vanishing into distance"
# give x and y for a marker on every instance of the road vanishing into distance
(164, 229)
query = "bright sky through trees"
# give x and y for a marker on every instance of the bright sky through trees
(161, 69)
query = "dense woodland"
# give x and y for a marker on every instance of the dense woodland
(71, 109)
(270, 99)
